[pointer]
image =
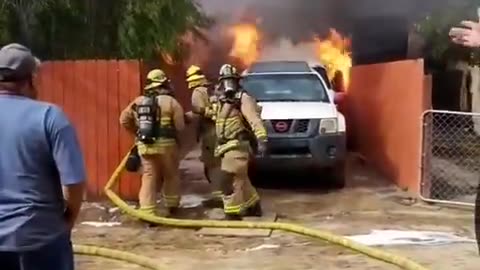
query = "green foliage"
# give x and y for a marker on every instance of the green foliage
(80, 29)
(150, 26)
(4, 35)
(434, 29)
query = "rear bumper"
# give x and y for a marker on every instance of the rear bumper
(318, 151)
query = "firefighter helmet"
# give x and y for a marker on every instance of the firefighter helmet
(194, 70)
(195, 77)
(228, 71)
(228, 80)
(155, 78)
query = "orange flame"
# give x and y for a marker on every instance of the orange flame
(334, 52)
(246, 43)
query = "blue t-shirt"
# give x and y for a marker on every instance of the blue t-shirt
(39, 152)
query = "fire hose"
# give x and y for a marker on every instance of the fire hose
(374, 253)
(116, 255)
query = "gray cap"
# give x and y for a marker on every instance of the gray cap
(16, 62)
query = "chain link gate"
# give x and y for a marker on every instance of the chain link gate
(450, 157)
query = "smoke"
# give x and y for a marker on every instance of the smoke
(379, 28)
(285, 49)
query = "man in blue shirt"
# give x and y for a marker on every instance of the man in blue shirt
(42, 172)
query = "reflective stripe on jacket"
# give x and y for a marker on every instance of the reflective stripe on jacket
(167, 137)
(231, 120)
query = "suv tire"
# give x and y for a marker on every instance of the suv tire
(337, 175)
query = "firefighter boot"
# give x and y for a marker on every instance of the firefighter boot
(173, 211)
(255, 210)
(213, 202)
(216, 199)
(233, 217)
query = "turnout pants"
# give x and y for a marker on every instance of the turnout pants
(242, 195)
(211, 163)
(160, 171)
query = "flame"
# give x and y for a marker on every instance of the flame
(246, 42)
(334, 52)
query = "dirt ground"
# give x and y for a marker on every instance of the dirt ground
(367, 203)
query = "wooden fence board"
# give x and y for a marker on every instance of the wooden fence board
(68, 94)
(92, 94)
(57, 95)
(113, 112)
(102, 125)
(127, 92)
(134, 86)
(90, 104)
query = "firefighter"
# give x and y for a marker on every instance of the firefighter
(156, 118)
(240, 132)
(201, 102)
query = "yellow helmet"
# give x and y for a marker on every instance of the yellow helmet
(155, 78)
(193, 69)
(195, 77)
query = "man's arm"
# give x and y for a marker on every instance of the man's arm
(178, 116)
(128, 119)
(68, 158)
(73, 195)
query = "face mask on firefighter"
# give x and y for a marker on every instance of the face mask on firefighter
(229, 86)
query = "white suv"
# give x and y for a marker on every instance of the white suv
(303, 123)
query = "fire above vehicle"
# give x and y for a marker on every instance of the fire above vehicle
(333, 51)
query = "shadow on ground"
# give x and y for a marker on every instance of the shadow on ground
(358, 174)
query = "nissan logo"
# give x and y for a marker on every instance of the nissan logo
(281, 126)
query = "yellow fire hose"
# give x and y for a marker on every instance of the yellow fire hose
(117, 255)
(402, 262)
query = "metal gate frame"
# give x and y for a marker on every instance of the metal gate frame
(424, 157)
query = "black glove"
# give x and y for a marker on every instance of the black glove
(133, 162)
(262, 148)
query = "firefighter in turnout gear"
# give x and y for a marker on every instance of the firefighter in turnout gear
(201, 105)
(240, 132)
(155, 118)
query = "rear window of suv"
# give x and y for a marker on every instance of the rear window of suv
(285, 87)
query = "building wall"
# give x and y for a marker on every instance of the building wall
(384, 107)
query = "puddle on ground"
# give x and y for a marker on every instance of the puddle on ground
(395, 238)
(191, 201)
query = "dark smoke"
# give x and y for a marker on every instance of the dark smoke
(379, 28)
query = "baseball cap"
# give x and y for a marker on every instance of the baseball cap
(17, 62)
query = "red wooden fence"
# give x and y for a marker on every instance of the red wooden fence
(384, 105)
(93, 93)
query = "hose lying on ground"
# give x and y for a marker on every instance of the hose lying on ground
(116, 255)
(402, 262)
